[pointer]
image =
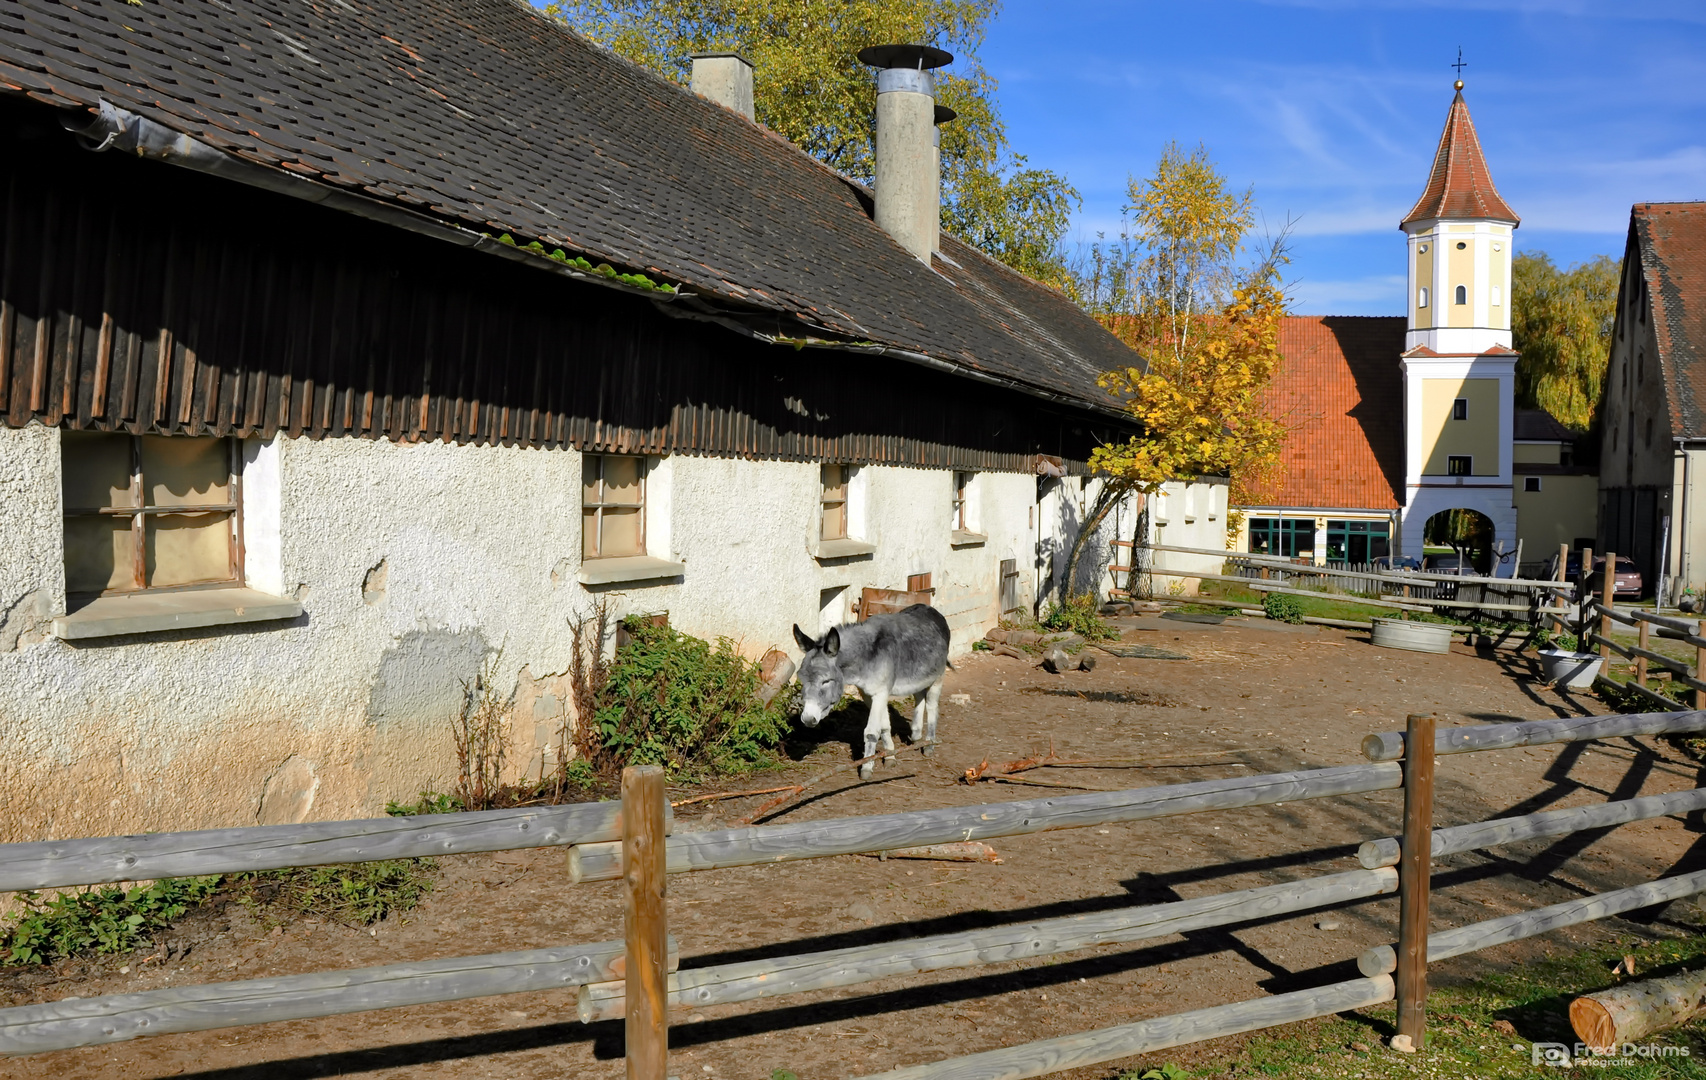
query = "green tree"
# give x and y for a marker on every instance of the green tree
(809, 86)
(1561, 323)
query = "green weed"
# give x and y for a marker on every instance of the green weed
(1282, 608)
(101, 920)
(357, 894)
(428, 802)
(1079, 614)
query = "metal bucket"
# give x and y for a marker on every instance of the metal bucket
(1414, 636)
(1572, 669)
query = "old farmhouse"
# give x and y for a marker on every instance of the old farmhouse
(343, 349)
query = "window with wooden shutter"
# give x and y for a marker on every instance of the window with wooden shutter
(149, 512)
(834, 500)
(613, 506)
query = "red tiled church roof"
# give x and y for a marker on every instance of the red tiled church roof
(1340, 389)
(1460, 185)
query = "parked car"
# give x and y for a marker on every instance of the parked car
(1397, 562)
(1626, 580)
(1448, 564)
(1572, 567)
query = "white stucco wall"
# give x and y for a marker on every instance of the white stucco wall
(1187, 515)
(415, 563)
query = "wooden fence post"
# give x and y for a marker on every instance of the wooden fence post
(1413, 870)
(1700, 664)
(644, 922)
(1584, 592)
(1607, 588)
(1641, 661)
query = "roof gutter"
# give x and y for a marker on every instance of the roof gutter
(116, 128)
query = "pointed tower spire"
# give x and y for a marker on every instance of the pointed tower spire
(1460, 185)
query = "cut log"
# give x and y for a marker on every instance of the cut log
(1632, 1012)
(974, 851)
(1008, 650)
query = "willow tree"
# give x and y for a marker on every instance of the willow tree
(1561, 323)
(1185, 288)
(809, 86)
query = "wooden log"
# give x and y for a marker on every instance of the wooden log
(1486, 834)
(1389, 745)
(1608, 589)
(1633, 1011)
(1414, 869)
(1584, 590)
(1147, 1036)
(975, 851)
(1605, 643)
(61, 1025)
(1525, 924)
(700, 987)
(646, 1045)
(1657, 699)
(752, 845)
(1642, 653)
(46, 864)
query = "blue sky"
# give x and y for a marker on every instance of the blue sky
(1332, 110)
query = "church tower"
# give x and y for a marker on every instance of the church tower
(1459, 369)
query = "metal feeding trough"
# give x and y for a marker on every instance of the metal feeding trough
(1413, 636)
(1572, 669)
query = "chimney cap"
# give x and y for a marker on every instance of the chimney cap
(917, 57)
(945, 115)
(720, 56)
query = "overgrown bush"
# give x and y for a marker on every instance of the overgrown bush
(1081, 616)
(103, 920)
(1282, 608)
(675, 700)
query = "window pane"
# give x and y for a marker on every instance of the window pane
(621, 481)
(589, 534)
(589, 480)
(187, 548)
(95, 467)
(621, 532)
(834, 521)
(834, 483)
(98, 553)
(186, 472)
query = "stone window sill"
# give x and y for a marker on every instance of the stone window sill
(631, 568)
(960, 538)
(842, 549)
(151, 612)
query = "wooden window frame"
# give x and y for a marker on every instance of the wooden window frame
(139, 512)
(825, 502)
(600, 504)
(1451, 461)
(962, 487)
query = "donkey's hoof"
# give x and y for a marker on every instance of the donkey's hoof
(866, 769)
(929, 750)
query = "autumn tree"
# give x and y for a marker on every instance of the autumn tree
(1184, 287)
(809, 86)
(1561, 322)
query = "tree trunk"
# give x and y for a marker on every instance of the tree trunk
(1628, 1013)
(1106, 499)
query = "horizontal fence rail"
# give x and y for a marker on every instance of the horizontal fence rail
(1146, 1036)
(1389, 745)
(753, 845)
(725, 983)
(1525, 924)
(61, 1025)
(1485, 834)
(49, 864)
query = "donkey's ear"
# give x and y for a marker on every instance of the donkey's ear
(806, 644)
(832, 642)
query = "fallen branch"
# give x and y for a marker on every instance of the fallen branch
(733, 795)
(964, 851)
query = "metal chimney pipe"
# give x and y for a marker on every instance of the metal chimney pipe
(908, 178)
(725, 78)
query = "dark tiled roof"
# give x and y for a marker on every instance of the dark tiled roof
(1672, 242)
(1460, 185)
(1538, 425)
(485, 114)
(1341, 390)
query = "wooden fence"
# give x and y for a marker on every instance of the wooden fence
(631, 841)
(1505, 599)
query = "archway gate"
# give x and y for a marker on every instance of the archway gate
(630, 841)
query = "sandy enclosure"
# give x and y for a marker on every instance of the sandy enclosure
(1271, 696)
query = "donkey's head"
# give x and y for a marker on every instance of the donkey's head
(820, 675)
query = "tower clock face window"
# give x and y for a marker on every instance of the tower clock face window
(1462, 294)
(1461, 245)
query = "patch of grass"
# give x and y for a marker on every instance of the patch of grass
(1324, 607)
(100, 920)
(1080, 615)
(1283, 608)
(357, 894)
(1532, 999)
(427, 802)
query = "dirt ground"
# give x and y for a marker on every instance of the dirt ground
(1272, 696)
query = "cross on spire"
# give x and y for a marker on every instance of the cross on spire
(1461, 63)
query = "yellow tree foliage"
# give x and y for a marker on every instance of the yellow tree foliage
(1561, 322)
(809, 86)
(1207, 328)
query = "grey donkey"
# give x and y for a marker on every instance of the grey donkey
(885, 656)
